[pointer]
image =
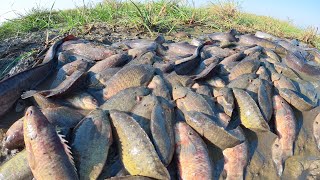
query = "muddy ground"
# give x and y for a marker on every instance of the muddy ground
(305, 164)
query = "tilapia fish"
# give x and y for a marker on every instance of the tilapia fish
(48, 155)
(12, 87)
(137, 152)
(192, 154)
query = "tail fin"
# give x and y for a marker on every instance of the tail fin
(28, 94)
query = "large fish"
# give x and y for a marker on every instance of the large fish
(192, 154)
(137, 152)
(12, 87)
(48, 155)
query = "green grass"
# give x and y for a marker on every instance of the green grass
(159, 16)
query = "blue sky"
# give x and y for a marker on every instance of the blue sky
(302, 13)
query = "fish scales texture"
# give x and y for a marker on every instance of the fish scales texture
(250, 113)
(137, 152)
(90, 144)
(46, 153)
(192, 154)
(130, 76)
(16, 168)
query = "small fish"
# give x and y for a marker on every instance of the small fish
(272, 55)
(316, 130)
(232, 58)
(211, 129)
(126, 99)
(286, 71)
(235, 161)
(14, 136)
(192, 154)
(162, 134)
(139, 157)
(253, 50)
(265, 100)
(98, 80)
(244, 67)
(16, 168)
(263, 73)
(296, 99)
(90, 144)
(159, 87)
(129, 76)
(250, 114)
(116, 60)
(48, 156)
(225, 99)
(149, 57)
(82, 100)
(242, 81)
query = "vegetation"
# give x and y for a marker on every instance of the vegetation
(160, 16)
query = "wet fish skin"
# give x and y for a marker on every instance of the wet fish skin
(90, 144)
(250, 113)
(280, 81)
(46, 153)
(138, 157)
(263, 73)
(232, 58)
(272, 55)
(159, 87)
(253, 88)
(211, 129)
(235, 161)
(216, 82)
(192, 154)
(162, 134)
(126, 99)
(142, 112)
(12, 87)
(184, 96)
(16, 168)
(243, 81)
(253, 50)
(82, 100)
(14, 136)
(181, 80)
(277, 157)
(129, 76)
(265, 103)
(285, 122)
(98, 80)
(225, 99)
(244, 67)
(316, 130)
(286, 71)
(149, 57)
(110, 62)
(296, 99)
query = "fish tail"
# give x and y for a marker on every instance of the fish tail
(28, 94)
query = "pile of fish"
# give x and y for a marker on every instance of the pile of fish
(157, 109)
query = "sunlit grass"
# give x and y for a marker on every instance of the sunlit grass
(158, 16)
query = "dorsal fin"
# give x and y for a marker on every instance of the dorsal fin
(28, 94)
(67, 148)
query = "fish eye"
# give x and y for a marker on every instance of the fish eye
(190, 133)
(277, 145)
(317, 122)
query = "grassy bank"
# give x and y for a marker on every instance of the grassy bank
(161, 16)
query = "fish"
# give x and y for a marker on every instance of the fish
(184, 96)
(47, 154)
(130, 178)
(129, 76)
(162, 134)
(67, 57)
(212, 130)
(235, 161)
(142, 111)
(242, 81)
(71, 83)
(244, 67)
(14, 136)
(272, 55)
(159, 87)
(225, 99)
(263, 73)
(192, 154)
(223, 36)
(16, 168)
(91, 140)
(87, 49)
(286, 71)
(138, 157)
(206, 72)
(253, 50)
(265, 99)
(181, 80)
(316, 130)
(98, 80)
(296, 99)
(116, 60)
(12, 87)
(216, 82)
(285, 124)
(253, 88)
(250, 114)
(126, 99)
(232, 58)
(280, 81)
(149, 57)
(82, 100)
